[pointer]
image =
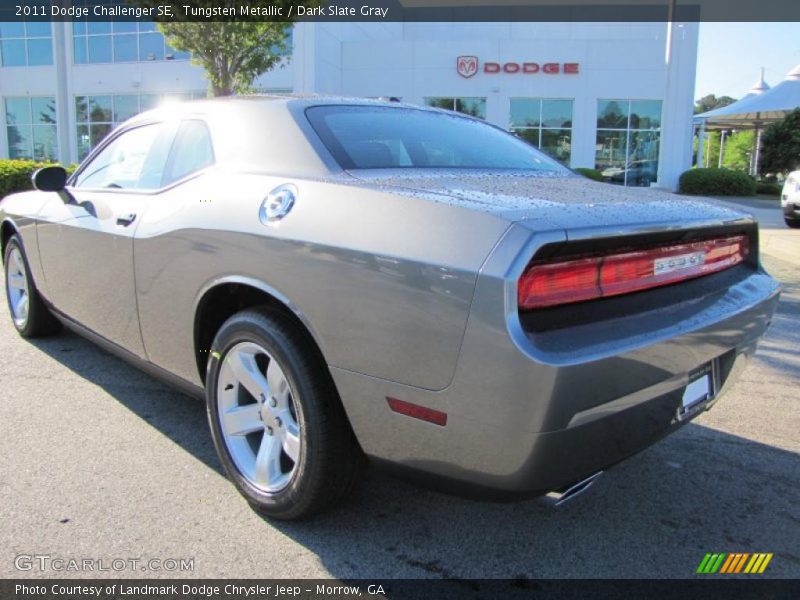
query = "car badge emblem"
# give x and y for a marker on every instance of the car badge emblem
(467, 66)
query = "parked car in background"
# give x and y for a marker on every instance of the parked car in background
(637, 173)
(344, 278)
(790, 199)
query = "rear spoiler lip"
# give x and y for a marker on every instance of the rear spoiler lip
(593, 240)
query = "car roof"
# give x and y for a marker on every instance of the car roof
(301, 101)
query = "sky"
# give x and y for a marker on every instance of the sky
(730, 56)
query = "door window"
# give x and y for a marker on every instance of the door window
(191, 152)
(133, 160)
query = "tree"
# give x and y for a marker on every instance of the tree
(780, 145)
(738, 149)
(233, 54)
(710, 102)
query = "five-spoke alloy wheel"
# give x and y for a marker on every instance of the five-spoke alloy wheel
(277, 422)
(17, 286)
(258, 417)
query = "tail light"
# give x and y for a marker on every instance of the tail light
(576, 280)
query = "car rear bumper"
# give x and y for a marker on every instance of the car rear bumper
(791, 210)
(529, 413)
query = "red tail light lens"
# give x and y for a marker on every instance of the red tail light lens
(568, 281)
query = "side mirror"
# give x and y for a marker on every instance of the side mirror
(50, 179)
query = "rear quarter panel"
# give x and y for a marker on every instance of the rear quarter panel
(384, 281)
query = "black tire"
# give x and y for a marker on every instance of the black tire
(793, 223)
(330, 460)
(39, 321)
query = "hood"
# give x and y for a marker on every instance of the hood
(534, 198)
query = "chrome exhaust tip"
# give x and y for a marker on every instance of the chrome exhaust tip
(559, 497)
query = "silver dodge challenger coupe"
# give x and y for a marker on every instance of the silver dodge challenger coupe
(347, 279)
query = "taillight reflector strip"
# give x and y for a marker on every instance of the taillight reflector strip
(569, 281)
(424, 413)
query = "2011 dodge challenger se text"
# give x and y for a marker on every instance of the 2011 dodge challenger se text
(343, 279)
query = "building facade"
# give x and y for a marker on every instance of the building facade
(613, 96)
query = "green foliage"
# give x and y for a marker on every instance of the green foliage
(15, 175)
(710, 102)
(769, 189)
(710, 149)
(590, 173)
(234, 53)
(738, 149)
(780, 145)
(716, 182)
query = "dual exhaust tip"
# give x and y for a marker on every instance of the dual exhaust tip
(564, 495)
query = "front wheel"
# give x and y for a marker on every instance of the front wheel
(793, 223)
(277, 422)
(30, 315)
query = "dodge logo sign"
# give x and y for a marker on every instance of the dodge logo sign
(467, 66)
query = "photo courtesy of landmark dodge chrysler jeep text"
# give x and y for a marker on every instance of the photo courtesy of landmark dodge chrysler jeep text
(342, 279)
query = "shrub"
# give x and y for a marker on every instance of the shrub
(770, 189)
(15, 175)
(590, 173)
(716, 182)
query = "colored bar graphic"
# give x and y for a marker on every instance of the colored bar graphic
(734, 562)
(703, 563)
(728, 565)
(741, 562)
(749, 567)
(765, 563)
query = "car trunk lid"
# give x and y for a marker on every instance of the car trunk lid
(569, 203)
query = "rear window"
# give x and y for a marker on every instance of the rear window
(378, 137)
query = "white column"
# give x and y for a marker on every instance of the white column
(757, 153)
(63, 112)
(701, 143)
(676, 120)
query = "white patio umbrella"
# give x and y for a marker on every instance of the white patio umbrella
(759, 87)
(771, 105)
(755, 110)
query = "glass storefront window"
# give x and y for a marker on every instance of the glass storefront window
(557, 113)
(545, 123)
(645, 114)
(557, 143)
(120, 42)
(628, 137)
(26, 44)
(31, 128)
(475, 107)
(612, 114)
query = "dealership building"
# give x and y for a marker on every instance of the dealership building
(613, 96)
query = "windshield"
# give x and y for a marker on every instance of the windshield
(383, 137)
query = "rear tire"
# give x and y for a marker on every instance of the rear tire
(276, 419)
(793, 223)
(29, 313)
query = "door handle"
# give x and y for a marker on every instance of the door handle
(126, 220)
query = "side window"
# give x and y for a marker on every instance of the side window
(191, 151)
(134, 160)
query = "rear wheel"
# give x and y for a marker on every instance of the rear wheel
(793, 223)
(276, 419)
(29, 313)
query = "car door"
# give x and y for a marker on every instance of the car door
(86, 239)
(164, 240)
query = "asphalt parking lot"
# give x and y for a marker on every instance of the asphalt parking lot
(101, 461)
